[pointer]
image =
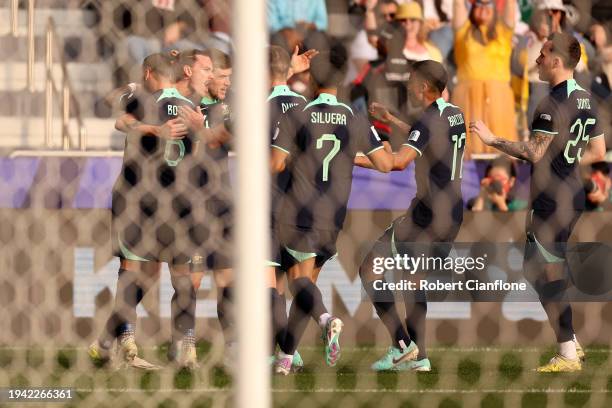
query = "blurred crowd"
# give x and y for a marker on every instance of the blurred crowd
(489, 47)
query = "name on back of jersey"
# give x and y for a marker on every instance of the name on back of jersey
(286, 106)
(455, 120)
(328, 118)
(583, 103)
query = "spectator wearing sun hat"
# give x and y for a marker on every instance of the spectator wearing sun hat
(415, 47)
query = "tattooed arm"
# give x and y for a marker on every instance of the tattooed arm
(531, 150)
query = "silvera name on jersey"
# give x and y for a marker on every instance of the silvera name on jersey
(328, 117)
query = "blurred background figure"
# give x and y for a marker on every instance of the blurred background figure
(597, 187)
(164, 30)
(219, 25)
(380, 23)
(562, 21)
(601, 65)
(483, 45)
(399, 34)
(496, 188)
(361, 49)
(416, 46)
(438, 15)
(293, 22)
(539, 30)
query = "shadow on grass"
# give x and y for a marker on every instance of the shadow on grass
(468, 371)
(510, 367)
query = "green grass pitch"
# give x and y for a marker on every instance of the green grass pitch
(461, 377)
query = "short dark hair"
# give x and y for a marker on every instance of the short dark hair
(328, 68)
(567, 47)
(279, 61)
(187, 57)
(161, 65)
(432, 72)
(601, 166)
(220, 59)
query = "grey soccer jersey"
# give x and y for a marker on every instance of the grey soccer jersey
(156, 216)
(439, 139)
(283, 102)
(323, 139)
(568, 113)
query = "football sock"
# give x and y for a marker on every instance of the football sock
(566, 327)
(189, 338)
(182, 306)
(279, 318)
(568, 349)
(305, 298)
(282, 355)
(384, 304)
(128, 295)
(224, 312)
(323, 319)
(416, 313)
(576, 341)
(557, 309)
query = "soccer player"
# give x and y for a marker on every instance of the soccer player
(194, 75)
(565, 133)
(282, 102)
(154, 216)
(436, 141)
(217, 113)
(211, 122)
(322, 141)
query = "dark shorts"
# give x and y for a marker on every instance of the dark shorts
(299, 244)
(547, 235)
(220, 250)
(405, 237)
(276, 254)
(159, 228)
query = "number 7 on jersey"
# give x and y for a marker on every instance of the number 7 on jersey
(328, 137)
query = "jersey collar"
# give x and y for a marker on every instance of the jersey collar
(279, 90)
(572, 86)
(329, 99)
(326, 98)
(207, 100)
(441, 104)
(172, 93)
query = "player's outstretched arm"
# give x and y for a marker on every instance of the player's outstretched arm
(363, 160)
(595, 151)
(194, 120)
(172, 129)
(382, 114)
(403, 158)
(118, 94)
(126, 122)
(278, 160)
(381, 160)
(531, 150)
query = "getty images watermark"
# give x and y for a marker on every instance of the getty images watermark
(483, 272)
(418, 265)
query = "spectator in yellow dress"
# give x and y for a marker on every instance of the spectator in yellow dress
(483, 45)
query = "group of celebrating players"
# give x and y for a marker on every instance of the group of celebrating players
(172, 201)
